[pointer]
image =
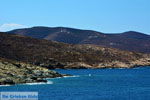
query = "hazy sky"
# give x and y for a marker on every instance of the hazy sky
(101, 15)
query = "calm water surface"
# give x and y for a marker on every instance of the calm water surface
(93, 84)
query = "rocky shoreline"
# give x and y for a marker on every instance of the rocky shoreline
(112, 64)
(12, 73)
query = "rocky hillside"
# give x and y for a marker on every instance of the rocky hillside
(12, 72)
(131, 40)
(60, 55)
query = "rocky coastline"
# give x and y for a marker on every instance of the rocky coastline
(12, 73)
(111, 64)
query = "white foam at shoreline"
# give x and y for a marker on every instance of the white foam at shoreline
(49, 82)
(71, 76)
(40, 83)
(63, 77)
(4, 85)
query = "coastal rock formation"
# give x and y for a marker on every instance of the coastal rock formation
(113, 64)
(12, 72)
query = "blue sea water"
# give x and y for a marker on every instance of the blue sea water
(93, 84)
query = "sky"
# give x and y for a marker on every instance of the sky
(109, 16)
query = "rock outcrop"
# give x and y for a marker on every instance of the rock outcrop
(12, 72)
(113, 64)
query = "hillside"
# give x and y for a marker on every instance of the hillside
(131, 40)
(60, 55)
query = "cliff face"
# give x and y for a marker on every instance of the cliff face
(60, 55)
(12, 72)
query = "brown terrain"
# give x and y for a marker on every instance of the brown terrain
(60, 55)
(130, 40)
(27, 60)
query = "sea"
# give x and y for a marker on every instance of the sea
(92, 84)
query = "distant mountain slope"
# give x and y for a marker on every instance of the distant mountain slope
(131, 40)
(60, 34)
(60, 55)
